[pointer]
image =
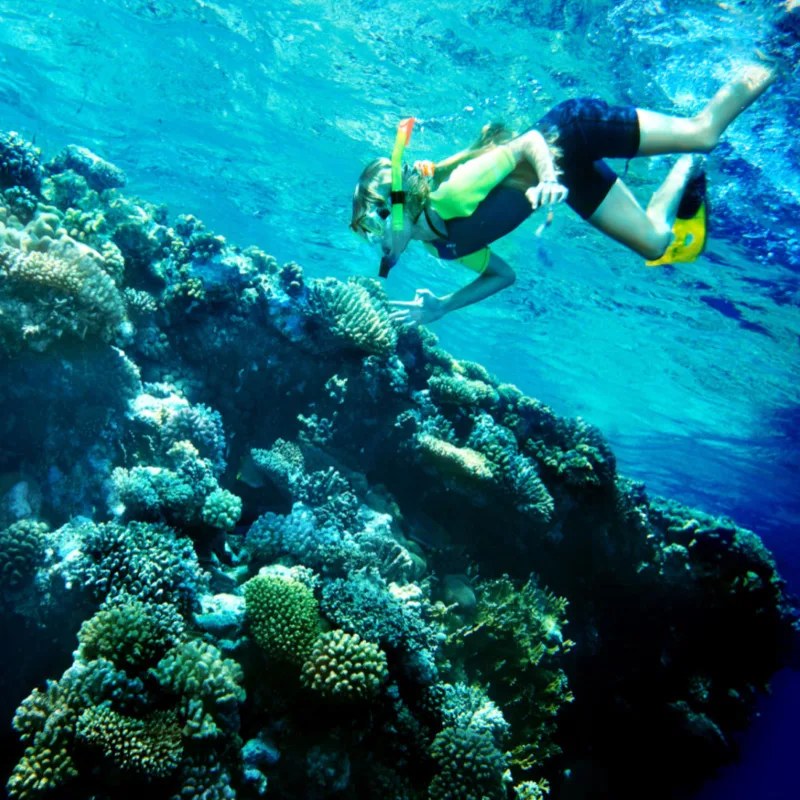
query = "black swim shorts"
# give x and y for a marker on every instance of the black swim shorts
(587, 131)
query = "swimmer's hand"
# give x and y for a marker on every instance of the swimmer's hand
(546, 193)
(426, 307)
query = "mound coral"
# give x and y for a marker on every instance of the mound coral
(343, 666)
(471, 766)
(21, 552)
(19, 163)
(283, 617)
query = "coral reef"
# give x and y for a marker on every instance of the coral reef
(277, 545)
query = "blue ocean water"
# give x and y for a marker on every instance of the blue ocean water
(257, 117)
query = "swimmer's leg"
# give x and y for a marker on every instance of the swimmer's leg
(661, 134)
(648, 233)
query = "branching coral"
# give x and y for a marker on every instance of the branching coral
(283, 617)
(343, 666)
(208, 686)
(146, 561)
(150, 747)
(129, 633)
(47, 721)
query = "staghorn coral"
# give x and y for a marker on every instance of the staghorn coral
(208, 688)
(150, 747)
(283, 617)
(21, 552)
(352, 316)
(343, 666)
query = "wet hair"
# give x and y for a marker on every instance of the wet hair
(378, 174)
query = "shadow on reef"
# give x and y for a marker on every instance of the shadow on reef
(305, 552)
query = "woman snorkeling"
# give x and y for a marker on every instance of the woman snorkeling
(462, 204)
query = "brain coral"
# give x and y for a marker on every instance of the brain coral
(345, 666)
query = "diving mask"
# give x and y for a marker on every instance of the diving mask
(372, 224)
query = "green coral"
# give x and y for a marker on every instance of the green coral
(130, 633)
(208, 687)
(462, 463)
(460, 391)
(282, 463)
(21, 552)
(46, 721)
(345, 666)
(283, 616)
(353, 315)
(222, 510)
(150, 747)
(471, 766)
(511, 645)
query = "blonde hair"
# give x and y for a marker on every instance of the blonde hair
(378, 174)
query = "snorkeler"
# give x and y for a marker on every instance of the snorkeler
(462, 204)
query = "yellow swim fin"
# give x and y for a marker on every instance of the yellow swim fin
(691, 225)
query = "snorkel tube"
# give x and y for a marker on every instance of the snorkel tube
(397, 195)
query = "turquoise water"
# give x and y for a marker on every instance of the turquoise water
(257, 117)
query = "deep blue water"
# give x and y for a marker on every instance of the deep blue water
(258, 116)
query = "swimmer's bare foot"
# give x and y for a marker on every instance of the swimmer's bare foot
(736, 96)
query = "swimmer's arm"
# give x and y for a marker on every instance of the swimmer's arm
(497, 276)
(426, 307)
(532, 147)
